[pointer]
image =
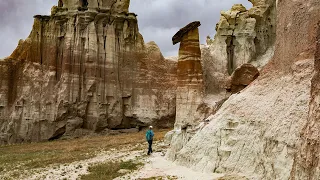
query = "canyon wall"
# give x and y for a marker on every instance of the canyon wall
(303, 35)
(269, 130)
(242, 36)
(243, 44)
(84, 69)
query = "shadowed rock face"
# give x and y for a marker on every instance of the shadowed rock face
(184, 31)
(84, 70)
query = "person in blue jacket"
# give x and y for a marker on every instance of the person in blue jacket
(149, 137)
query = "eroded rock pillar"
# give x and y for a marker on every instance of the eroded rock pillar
(189, 87)
(190, 81)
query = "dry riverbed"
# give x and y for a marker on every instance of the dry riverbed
(120, 157)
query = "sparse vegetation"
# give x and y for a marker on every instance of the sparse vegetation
(40, 155)
(130, 165)
(110, 170)
(161, 178)
(153, 178)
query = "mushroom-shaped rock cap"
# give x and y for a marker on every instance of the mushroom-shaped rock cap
(179, 35)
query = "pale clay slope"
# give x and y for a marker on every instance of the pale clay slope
(256, 131)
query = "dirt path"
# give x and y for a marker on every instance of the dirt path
(76, 169)
(155, 166)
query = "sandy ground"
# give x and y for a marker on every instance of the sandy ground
(74, 170)
(155, 166)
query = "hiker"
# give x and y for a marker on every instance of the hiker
(149, 137)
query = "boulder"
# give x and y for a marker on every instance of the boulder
(242, 77)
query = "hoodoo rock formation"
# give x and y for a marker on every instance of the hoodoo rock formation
(84, 69)
(243, 44)
(271, 129)
(189, 84)
(189, 74)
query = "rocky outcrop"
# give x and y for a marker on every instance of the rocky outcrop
(155, 88)
(270, 129)
(241, 78)
(84, 69)
(242, 45)
(254, 133)
(243, 36)
(189, 84)
(118, 6)
(230, 62)
(180, 35)
(189, 74)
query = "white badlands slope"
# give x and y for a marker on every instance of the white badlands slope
(270, 130)
(255, 132)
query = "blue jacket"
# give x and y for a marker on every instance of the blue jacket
(149, 135)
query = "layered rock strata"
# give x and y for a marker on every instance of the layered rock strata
(119, 6)
(243, 44)
(84, 69)
(189, 84)
(189, 75)
(242, 36)
(269, 130)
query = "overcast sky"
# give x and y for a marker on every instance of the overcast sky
(158, 20)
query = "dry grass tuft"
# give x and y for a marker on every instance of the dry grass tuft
(40, 155)
(110, 170)
(160, 178)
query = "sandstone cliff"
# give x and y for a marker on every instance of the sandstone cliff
(84, 69)
(269, 130)
(242, 36)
